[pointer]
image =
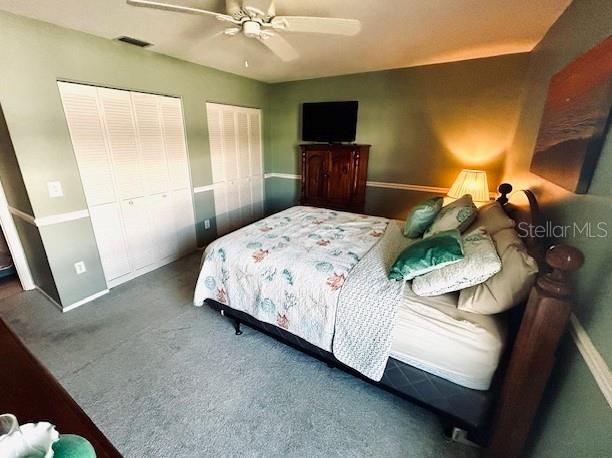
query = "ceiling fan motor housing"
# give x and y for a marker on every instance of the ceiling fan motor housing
(251, 29)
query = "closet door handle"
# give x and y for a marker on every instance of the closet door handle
(131, 202)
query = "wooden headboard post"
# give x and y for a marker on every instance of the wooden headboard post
(544, 322)
(504, 189)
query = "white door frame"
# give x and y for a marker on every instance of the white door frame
(14, 243)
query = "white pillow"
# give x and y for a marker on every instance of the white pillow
(507, 288)
(456, 215)
(480, 263)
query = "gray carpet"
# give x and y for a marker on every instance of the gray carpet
(162, 378)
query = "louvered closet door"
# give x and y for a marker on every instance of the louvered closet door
(174, 138)
(235, 145)
(216, 139)
(243, 162)
(132, 157)
(215, 135)
(138, 231)
(106, 222)
(161, 209)
(255, 161)
(88, 141)
(116, 108)
(148, 117)
(90, 146)
(228, 192)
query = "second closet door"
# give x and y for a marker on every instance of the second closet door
(235, 150)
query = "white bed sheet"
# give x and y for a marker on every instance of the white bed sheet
(433, 335)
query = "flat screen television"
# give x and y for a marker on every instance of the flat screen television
(330, 122)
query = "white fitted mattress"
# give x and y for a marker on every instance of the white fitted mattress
(433, 335)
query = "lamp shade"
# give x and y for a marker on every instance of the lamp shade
(472, 182)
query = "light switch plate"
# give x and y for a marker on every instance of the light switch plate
(206, 224)
(80, 267)
(55, 189)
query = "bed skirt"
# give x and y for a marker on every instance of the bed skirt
(460, 406)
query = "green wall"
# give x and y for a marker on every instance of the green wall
(424, 123)
(17, 197)
(576, 419)
(33, 56)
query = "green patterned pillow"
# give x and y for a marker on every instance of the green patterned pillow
(421, 217)
(428, 254)
(456, 215)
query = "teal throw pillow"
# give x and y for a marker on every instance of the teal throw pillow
(73, 446)
(421, 217)
(429, 254)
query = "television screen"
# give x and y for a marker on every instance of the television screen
(329, 121)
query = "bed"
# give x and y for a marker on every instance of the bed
(317, 279)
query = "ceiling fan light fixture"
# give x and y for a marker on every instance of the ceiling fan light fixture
(251, 29)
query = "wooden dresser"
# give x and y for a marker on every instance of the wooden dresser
(334, 176)
(32, 394)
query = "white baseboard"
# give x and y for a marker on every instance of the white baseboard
(593, 359)
(85, 300)
(76, 304)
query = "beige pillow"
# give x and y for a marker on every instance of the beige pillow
(493, 217)
(507, 288)
(456, 215)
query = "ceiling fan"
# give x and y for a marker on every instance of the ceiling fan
(257, 19)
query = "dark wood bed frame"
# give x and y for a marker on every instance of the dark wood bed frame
(536, 328)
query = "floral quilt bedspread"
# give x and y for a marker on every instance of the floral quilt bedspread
(288, 269)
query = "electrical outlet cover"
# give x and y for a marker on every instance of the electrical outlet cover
(55, 189)
(206, 224)
(80, 267)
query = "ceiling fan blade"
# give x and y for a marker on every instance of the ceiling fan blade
(180, 9)
(279, 46)
(334, 26)
(264, 7)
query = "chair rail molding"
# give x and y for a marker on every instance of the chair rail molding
(51, 219)
(208, 187)
(378, 184)
(593, 359)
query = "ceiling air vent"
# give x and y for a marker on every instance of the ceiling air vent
(134, 41)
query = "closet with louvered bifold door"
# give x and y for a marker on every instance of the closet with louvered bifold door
(237, 166)
(132, 157)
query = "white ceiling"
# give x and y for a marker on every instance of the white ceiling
(395, 33)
